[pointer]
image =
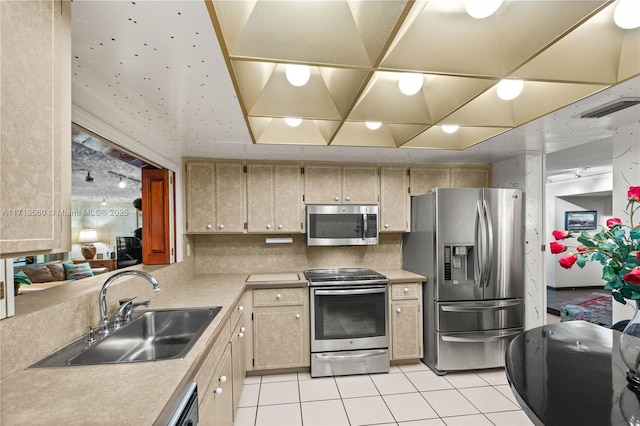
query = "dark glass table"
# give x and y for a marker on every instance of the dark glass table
(571, 373)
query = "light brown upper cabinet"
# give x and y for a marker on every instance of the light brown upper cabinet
(424, 178)
(395, 204)
(216, 196)
(334, 184)
(35, 138)
(274, 198)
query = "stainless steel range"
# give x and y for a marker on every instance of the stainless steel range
(349, 321)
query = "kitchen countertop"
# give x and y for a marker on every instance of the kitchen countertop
(131, 393)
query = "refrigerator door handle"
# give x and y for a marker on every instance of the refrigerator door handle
(509, 305)
(477, 255)
(479, 338)
(489, 239)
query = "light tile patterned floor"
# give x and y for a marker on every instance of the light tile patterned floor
(407, 395)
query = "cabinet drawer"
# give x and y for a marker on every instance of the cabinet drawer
(405, 291)
(279, 296)
(239, 309)
(214, 356)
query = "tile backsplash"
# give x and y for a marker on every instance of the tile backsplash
(217, 254)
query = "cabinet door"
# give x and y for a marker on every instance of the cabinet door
(231, 196)
(289, 209)
(424, 178)
(406, 330)
(238, 359)
(322, 184)
(394, 199)
(280, 337)
(201, 195)
(35, 136)
(361, 185)
(471, 177)
(260, 198)
(217, 404)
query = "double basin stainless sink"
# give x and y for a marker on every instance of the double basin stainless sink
(153, 335)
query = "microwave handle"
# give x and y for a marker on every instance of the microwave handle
(364, 226)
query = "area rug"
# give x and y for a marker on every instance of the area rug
(595, 302)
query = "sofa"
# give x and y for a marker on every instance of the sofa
(40, 276)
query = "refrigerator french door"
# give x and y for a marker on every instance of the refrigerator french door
(468, 243)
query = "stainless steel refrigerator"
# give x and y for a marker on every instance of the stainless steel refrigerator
(468, 242)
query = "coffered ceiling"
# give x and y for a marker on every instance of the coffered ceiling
(207, 78)
(358, 50)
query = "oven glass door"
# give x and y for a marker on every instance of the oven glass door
(349, 318)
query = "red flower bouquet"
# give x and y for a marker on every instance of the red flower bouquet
(616, 247)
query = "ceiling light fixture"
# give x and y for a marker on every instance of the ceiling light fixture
(410, 83)
(293, 121)
(626, 15)
(480, 9)
(450, 128)
(89, 178)
(122, 184)
(298, 75)
(510, 88)
(373, 125)
(103, 202)
(578, 174)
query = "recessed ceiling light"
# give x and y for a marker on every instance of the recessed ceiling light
(410, 83)
(626, 15)
(293, 121)
(481, 8)
(298, 75)
(510, 88)
(372, 125)
(450, 128)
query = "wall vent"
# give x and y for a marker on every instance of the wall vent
(610, 108)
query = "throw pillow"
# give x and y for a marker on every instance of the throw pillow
(78, 271)
(38, 273)
(57, 270)
(21, 278)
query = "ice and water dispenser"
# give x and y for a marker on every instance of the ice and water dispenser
(458, 263)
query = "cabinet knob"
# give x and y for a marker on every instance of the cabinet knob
(209, 226)
(348, 198)
(223, 379)
(241, 335)
(241, 308)
(242, 329)
(406, 290)
(278, 296)
(269, 226)
(218, 391)
(386, 225)
(337, 198)
(279, 226)
(297, 316)
(221, 226)
(398, 310)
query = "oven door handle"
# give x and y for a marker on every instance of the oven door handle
(362, 355)
(350, 291)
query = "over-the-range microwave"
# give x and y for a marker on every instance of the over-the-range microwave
(342, 224)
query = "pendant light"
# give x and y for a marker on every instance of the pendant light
(293, 121)
(297, 75)
(410, 83)
(373, 125)
(510, 88)
(121, 183)
(626, 15)
(480, 9)
(450, 128)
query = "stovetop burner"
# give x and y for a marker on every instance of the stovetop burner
(346, 276)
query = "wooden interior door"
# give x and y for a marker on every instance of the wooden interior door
(157, 234)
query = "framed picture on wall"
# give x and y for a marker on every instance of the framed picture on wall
(580, 220)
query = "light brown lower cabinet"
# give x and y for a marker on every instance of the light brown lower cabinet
(217, 403)
(406, 321)
(281, 328)
(238, 362)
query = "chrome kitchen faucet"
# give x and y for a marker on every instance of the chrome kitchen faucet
(102, 296)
